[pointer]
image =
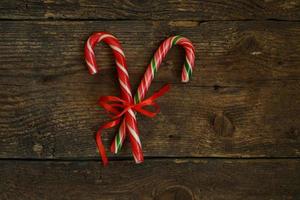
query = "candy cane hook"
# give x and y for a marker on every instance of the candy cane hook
(157, 59)
(129, 121)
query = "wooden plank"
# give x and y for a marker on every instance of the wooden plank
(243, 100)
(154, 10)
(228, 53)
(178, 179)
(59, 121)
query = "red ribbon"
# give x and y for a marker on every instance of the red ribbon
(117, 107)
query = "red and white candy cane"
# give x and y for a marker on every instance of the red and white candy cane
(154, 65)
(129, 121)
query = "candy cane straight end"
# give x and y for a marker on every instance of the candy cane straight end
(93, 71)
(185, 78)
(138, 160)
(90, 61)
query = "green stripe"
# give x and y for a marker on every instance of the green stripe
(188, 68)
(118, 142)
(153, 65)
(176, 39)
(137, 97)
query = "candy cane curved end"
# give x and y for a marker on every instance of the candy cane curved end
(157, 59)
(189, 62)
(90, 44)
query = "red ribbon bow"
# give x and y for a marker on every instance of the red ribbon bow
(117, 107)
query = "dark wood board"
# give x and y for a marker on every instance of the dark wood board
(170, 179)
(154, 10)
(243, 100)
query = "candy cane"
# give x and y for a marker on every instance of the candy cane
(129, 121)
(154, 65)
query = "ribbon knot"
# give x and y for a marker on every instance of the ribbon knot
(117, 107)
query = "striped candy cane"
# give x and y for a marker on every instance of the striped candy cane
(154, 65)
(129, 121)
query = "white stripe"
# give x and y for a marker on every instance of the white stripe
(105, 36)
(135, 158)
(125, 87)
(166, 48)
(143, 89)
(142, 94)
(117, 49)
(147, 81)
(116, 144)
(188, 46)
(152, 72)
(135, 135)
(187, 42)
(180, 38)
(160, 54)
(89, 47)
(172, 39)
(190, 50)
(131, 113)
(91, 67)
(122, 68)
(186, 78)
(187, 60)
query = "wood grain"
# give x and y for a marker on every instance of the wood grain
(179, 179)
(243, 100)
(154, 10)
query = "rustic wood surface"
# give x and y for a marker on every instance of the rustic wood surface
(185, 179)
(233, 132)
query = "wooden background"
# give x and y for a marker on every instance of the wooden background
(233, 132)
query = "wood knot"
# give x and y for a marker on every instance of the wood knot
(222, 125)
(293, 133)
(176, 192)
(248, 45)
(38, 149)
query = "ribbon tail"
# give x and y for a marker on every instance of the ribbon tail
(101, 148)
(99, 143)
